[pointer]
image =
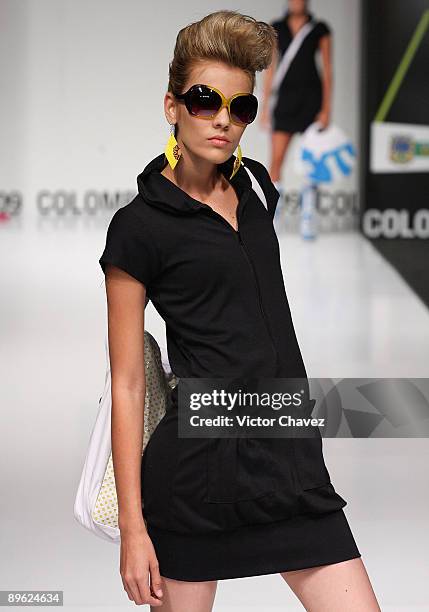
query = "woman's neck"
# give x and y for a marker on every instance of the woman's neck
(199, 180)
(295, 22)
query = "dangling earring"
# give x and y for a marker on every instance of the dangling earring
(172, 150)
(237, 162)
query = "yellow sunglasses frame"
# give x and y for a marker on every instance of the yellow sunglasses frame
(226, 102)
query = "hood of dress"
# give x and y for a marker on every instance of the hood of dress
(157, 190)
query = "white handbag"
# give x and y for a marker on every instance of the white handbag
(96, 502)
(324, 155)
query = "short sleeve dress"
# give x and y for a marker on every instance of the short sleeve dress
(224, 507)
(299, 97)
(126, 237)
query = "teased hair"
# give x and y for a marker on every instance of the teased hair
(227, 36)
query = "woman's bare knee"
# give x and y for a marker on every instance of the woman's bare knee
(184, 596)
(334, 588)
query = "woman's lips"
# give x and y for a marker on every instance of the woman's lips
(219, 142)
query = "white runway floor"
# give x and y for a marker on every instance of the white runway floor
(354, 317)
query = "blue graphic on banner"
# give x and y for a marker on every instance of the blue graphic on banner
(321, 172)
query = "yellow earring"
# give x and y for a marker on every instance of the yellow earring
(237, 162)
(172, 150)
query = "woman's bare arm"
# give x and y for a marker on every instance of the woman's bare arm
(266, 89)
(325, 46)
(126, 298)
(269, 75)
(126, 302)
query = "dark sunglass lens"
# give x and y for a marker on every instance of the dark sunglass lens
(244, 108)
(203, 101)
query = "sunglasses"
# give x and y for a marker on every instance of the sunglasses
(205, 102)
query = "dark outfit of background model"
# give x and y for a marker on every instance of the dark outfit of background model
(300, 93)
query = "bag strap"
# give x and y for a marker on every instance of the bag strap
(256, 186)
(287, 58)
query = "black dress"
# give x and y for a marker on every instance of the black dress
(232, 507)
(300, 93)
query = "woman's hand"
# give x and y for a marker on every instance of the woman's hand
(139, 564)
(323, 118)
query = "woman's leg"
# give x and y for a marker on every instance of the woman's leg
(279, 144)
(182, 596)
(334, 588)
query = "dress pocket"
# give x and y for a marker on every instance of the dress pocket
(310, 464)
(238, 469)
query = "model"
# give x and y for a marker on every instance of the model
(197, 241)
(303, 96)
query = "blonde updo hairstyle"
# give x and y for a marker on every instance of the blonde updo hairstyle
(226, 36)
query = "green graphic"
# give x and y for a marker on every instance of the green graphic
(402, 69)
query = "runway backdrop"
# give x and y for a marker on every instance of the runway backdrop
(395, 135)
(84, 106)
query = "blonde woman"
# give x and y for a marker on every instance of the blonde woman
(199, 243)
